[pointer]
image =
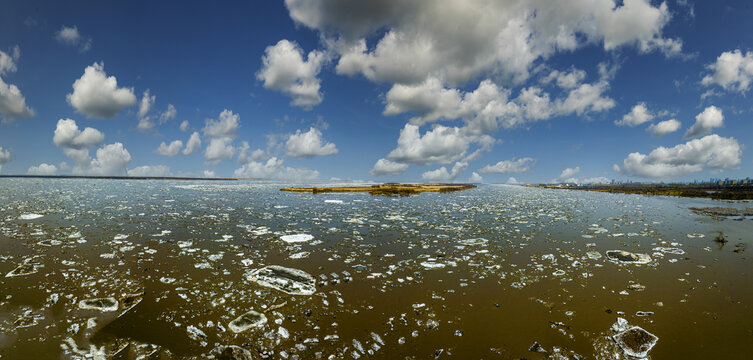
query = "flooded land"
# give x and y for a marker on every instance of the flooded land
(138, 269)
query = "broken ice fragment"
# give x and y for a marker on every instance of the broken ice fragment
(247, 321)
(128, 301)
(296, 238)
(636, 341)
(27, 320)
(30, 216)
(288, 280)
(101, 304)
(195, 333)
(628, 257)
(536, 347)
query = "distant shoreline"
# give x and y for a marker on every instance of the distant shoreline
(713, 191)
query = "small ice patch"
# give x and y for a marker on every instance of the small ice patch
(30, 216)
(333, 201)
(432, 265)
(296, 238)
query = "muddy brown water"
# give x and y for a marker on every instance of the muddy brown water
(394, 278)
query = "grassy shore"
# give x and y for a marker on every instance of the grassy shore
(390, 189)
(735, 192)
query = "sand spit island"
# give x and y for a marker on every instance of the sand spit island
(737, 190)
(389, 189)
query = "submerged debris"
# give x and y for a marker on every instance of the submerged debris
(247, 321)
(288, 280)
(100, 304)
(231, 352)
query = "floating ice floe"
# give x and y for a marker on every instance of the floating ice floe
(100, 304)
(247, 321)
(333, 201)
(473, 242)
(668, 250)
(27, 268)
(30, 216)
(635, 341)
(628, 257)
(51, 242)
(287, 280)
(431, 265)
(300, 255)
(296, 238)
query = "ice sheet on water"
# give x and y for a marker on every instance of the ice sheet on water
(30, 216)
(287, 280)
(296, 238)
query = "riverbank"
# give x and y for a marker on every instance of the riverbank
(385, 189)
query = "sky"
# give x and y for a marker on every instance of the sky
(517, 91)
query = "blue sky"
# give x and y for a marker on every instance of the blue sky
(527, 91)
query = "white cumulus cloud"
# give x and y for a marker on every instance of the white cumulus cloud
(69, 35)
(732, 71)
(439, 145)
(285, 69)
(638, 115)
(712, 152)
(568, 175)
(460, 40)
(509, 166)
(169, 150)
(98, 96)
(442, 174)
(12, 102)
(386, 167)
(664, 127)
(274, 169)
(710, 118)
(193, 144)
(4, 157)
(42, 169)
(110, 159)
(308, 144)
(221, 133)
